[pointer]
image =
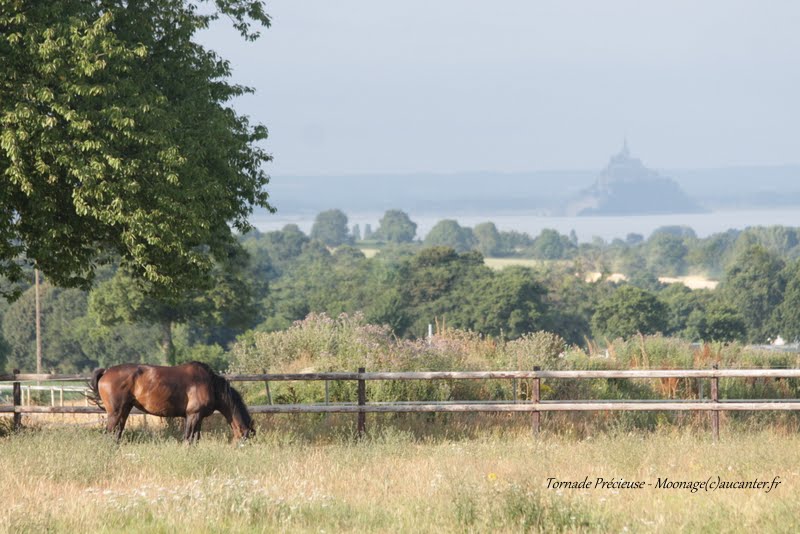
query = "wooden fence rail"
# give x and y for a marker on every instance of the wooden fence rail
(534, 406)
(459, 375)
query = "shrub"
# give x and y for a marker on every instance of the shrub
(320, 343)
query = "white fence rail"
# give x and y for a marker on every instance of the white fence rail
(56, 393)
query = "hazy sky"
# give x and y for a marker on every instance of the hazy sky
(362, 86)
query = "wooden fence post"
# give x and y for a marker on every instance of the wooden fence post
(362, 400)
(17, 399)
(266, 385)
(715, 399)
(535, 397)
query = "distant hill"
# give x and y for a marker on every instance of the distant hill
(765, 186)
(538, 192)
(627, 187)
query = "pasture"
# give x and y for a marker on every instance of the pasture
(73, 479)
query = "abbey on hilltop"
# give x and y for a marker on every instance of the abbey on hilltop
(627, 187)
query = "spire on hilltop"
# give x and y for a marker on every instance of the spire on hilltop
(623, 157)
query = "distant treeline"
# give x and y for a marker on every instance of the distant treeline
(281, 277)
(668, 251)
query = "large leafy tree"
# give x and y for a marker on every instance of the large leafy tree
(117, 140)
(666, 253)
(397, 227)
(319, 281)
(571, 302)
(718, 322)
(551, 245)
(754, 286)
(489, 241)
(788, 312)
(330, 227)
(508, 303)
(628, 311)
(448, 233)
(436, 283)
(216, 314)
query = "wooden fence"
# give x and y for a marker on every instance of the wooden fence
(535, 405)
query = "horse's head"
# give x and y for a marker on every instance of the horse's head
(231, 405)
(242, 432)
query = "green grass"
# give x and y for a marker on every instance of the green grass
(77, 480)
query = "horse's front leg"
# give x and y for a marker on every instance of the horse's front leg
(187, 427)
(191, 431)
(196, 432)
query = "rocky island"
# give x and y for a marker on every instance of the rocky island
(627, 187)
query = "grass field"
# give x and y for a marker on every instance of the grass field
(68, 479)
(501, 263)
(692, 282)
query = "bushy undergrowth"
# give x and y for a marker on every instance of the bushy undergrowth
(324, 344)
(321, 344)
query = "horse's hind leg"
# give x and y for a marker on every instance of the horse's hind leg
(117, 416)
(112, 419)
(123, 418)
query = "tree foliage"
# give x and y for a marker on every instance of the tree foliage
(508, 304)
(62, 312)
(117, 140)
(754, 286)
(717, 322)
(628, 311)
(330, 227)
(396, 227)
(787, 316)
(448, 233)
(550, 245)
(286, 276)
(489, 241)
(220, 311)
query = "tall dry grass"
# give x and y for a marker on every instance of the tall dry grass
(71, 480)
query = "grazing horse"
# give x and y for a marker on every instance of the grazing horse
(191, 390)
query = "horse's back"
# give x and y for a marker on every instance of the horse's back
(163, 390)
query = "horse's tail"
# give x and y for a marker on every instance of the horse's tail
(94, 392)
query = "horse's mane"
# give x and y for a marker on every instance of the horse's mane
(226, 394)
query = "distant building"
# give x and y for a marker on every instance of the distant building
(627, 187)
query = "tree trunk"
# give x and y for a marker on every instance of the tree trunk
(167, 346)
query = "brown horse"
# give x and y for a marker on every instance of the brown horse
(191, 390)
